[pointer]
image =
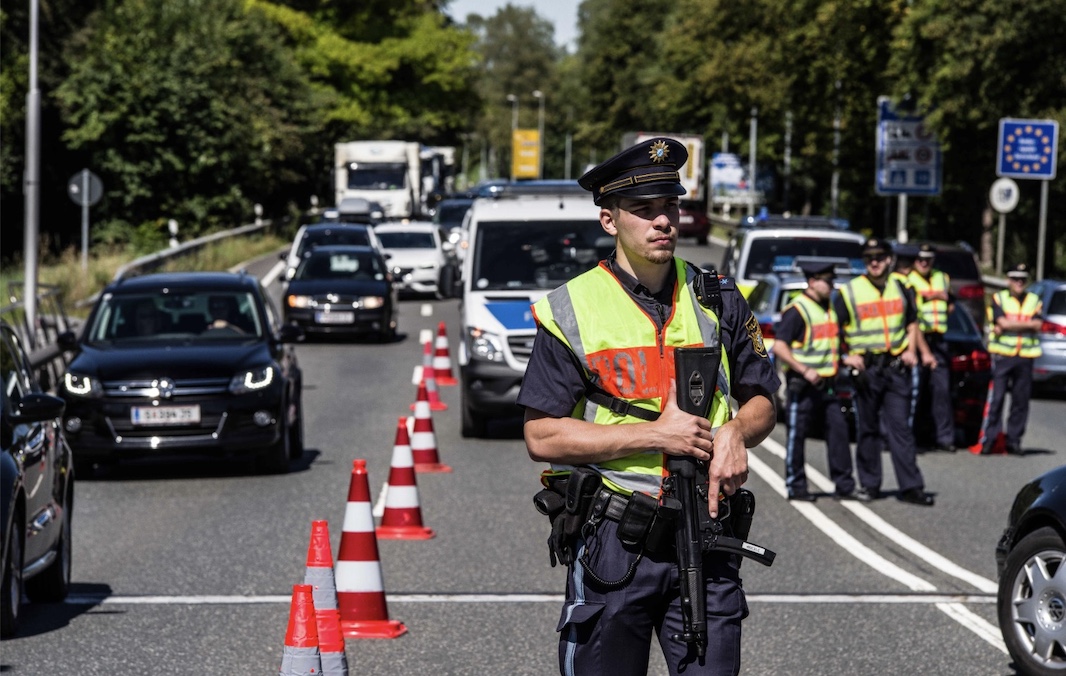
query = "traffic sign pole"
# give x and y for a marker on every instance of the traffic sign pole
(1041, 240)
(1027, 150)
(85, 223)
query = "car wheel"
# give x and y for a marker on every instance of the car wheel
(296, 427)
(275, 459)
(53, 583)
(702, 240)
(1032, 603)
(474, 426)
(446, 282)
(12, 590)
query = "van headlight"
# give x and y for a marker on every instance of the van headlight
(82, 386)
(371, 302)
(484, 345)
(252, 380)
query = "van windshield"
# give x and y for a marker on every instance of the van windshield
(764, 250)
(536, 255)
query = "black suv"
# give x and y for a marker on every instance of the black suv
(37, 484)
(184, 362)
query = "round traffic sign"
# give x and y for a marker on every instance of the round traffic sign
(1004, 195)
(85, 188)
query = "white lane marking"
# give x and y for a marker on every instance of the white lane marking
(416, 376)
(275, 271)
(426, 310)
(837, 534)
(823, 599)
(975, 623)
(425, 336)
(379, 506)
(873, 520)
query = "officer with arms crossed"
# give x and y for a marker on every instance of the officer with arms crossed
(808, 343)
(600, 402)
(932, 294)
(880, 333)
(1015, 316)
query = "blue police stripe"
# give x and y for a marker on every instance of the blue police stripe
(512, 315)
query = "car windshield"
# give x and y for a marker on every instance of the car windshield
(191, 316)
(765, 250)
(451, 215)
(407, 240)
(341, 265)
(377, 176)
(536, 255)
(355, 236)
(957, 264)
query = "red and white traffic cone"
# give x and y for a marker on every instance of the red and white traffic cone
(402, 519)
(442, 361)
(301, 656)
(429, 380)
(360, 588)
(424, 439)
(324, 590)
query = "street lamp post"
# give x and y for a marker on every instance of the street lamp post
(514, 127)
(539, 95)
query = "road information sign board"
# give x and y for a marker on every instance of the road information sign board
(909, 161)
(1027, 148)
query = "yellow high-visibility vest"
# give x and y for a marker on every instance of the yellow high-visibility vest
(1015, 343)
(932, 312)
(819, 348)
(623, 352)
(877, 322)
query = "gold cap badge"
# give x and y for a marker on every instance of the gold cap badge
(658, 152)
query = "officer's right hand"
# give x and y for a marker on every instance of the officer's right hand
(682, 433)
(855, 361)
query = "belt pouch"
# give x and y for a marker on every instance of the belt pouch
(581, 488)
(637, 518)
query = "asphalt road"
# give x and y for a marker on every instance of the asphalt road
(185, 567)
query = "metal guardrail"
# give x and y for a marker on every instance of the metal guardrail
(155, 260)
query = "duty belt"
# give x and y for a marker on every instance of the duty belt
(880, 360)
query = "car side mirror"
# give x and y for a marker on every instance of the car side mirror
(37, 407)
(67, 341)
(290, 333)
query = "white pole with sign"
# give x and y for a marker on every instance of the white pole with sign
(85, 189)
(1027, 150)
(1004, 198)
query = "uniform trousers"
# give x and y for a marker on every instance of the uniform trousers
(1014, 375)
(807, 404)
(885, 394)
(609, 632)
(937, 383)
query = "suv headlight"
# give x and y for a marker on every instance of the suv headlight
(252, 380)
(371, 302)
(82, 386)
(484, 345)
(298, 301)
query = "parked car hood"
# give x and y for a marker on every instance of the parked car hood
(108, 362)
(409, 258)
(352, 287)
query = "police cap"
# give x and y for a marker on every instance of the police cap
(646, 170)
(1019, 271)
(876, 247)
(926, 251)
(907, 251)
(815, 268)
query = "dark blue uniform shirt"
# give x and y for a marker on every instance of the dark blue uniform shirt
(553, 382)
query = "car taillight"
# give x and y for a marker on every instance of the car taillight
(971, 291)
(767, 330)
(1053, 328)
(976, 361)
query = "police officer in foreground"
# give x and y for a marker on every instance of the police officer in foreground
(807, 342)
(878, 325)
(1015, 316)
(932, 294)
(601, 408)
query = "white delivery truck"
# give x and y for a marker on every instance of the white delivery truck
(525, 241)
(386, 172)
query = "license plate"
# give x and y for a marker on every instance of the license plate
(334, 317)
(164, 415)
(686, 219)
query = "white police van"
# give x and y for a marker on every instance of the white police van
(526, 240)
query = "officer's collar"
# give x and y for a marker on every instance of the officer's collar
(634, 286)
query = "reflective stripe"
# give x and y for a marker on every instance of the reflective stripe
(821, 343)
(932, 313)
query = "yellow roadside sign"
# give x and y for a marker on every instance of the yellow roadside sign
(525, 153)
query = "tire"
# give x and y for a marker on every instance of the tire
(296, 427)
(446, 282)
(53, 583)
(275, 459)
(474, 426)
(1026, 608)
(701, 240)
(12, 580)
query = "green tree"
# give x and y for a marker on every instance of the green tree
(188, 110)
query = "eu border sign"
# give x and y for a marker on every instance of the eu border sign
(1027, 148)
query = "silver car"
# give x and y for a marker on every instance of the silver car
(1049, 371)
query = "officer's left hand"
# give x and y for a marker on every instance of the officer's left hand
(929, 360)
(909, 359)
(728, 469)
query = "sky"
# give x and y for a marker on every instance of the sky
(562, 13)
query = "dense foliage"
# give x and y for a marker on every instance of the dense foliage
(198, 109)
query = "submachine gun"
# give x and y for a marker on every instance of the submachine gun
(685, 490)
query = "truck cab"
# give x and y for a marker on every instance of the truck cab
(525, 241)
